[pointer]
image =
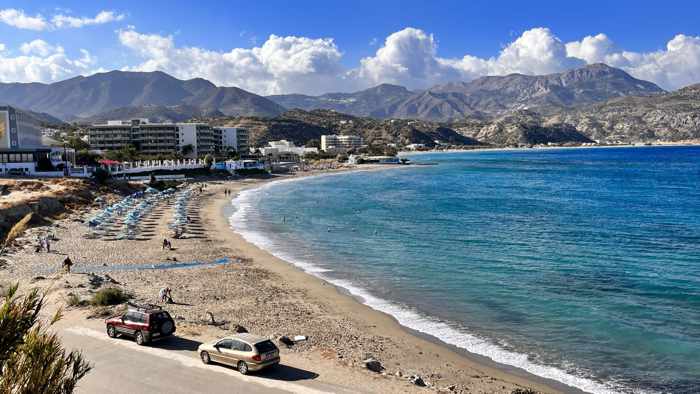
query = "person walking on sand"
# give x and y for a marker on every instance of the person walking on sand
(67, 263)
(165, 243)
(48, 244)
(162, 294)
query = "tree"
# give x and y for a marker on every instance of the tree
(100, 175)
(127, 153)
(187, 149)
(77, 143)
(208, 161)
(32, 360)
(313, 143)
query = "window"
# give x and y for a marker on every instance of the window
(224, 344)
(241, 346)
(265, 346)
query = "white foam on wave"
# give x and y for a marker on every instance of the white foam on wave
(406, 316)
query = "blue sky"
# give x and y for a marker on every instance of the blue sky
(317, 46)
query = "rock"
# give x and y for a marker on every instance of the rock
(398, 374)
(299, 338)
(239, 329)
(37, 278)
(417, 380)
(285, 341)
(373, 365)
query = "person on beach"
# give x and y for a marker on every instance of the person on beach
(67, 263)
(39, 244)
(162, 294)
(167, 244)
(48, 244)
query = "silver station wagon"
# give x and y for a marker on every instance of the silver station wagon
(245, 352)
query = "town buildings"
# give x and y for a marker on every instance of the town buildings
(21, 149)
(340, 143)
(285, 151)
(190, 139)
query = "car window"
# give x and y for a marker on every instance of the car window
(241, 346)
(265, 346)
(133, 317)
(224, 344)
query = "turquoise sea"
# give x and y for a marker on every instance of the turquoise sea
(579, 265)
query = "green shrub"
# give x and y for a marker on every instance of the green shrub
(101, 175)
(74, 301)
(109, 296)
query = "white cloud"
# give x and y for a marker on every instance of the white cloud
(39, 47)
(280, 64)
(409, 57)
(676, 66)
(102, 17)
(291, 64)
(19, 19)
(43, 62)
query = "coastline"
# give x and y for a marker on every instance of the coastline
(345, 302)
(535, 149)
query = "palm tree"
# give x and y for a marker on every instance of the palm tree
(32, 360)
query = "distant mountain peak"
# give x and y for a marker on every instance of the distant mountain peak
(108, 91)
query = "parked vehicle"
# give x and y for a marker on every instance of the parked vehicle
(245, 352)
(144, 323)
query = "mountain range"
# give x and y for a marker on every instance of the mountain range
(596, 102)
(84, 97)
(483, 97)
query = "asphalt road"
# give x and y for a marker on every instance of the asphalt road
(173, 366)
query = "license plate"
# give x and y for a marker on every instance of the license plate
(269, 356)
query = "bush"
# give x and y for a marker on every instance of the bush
(100, 175)
(109, 296)
(74, 301)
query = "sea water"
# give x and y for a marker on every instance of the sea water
(579, 265)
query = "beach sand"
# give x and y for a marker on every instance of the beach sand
(260, 292)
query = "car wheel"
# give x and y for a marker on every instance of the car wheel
(140, 340)
(205, 357)
(111, 332)
(242, 367)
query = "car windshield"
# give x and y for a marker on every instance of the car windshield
(265, 346)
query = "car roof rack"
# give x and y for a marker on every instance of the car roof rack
(143, 307)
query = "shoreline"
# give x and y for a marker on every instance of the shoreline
(355, 304)
(534, 149)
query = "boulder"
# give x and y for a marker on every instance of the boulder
(417, 380)
(239, 329)
(373, 365)
(285, 340)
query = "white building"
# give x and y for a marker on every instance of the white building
(235, 138)
(156, 138)
(285, 150)
(21, 150)
(340, 143)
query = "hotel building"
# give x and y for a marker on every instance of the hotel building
(165, 138)
(21, 149)
(340, 143)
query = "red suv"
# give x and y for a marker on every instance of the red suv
(144, 323)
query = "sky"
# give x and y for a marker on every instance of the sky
(314, 47)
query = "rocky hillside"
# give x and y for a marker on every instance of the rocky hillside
(672, 116)
(487, 96)
(369, 102)
(155, 113)
(301, 126)
(521, 128)
(89, 96)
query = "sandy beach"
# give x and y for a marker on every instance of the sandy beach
(256, 290)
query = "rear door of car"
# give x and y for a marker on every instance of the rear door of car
(240, 351)
(134, 321)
